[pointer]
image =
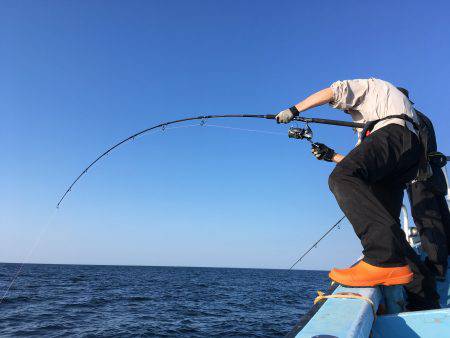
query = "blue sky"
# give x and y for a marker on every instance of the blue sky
(77, 77)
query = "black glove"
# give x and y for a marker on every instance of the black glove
(437, 159)
(322, 152)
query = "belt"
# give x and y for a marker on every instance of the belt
(368, 127)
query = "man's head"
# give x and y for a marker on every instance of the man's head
(405, 92)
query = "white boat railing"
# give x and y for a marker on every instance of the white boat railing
(446, 180)
(411, 232)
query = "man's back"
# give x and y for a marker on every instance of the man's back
(429, 208)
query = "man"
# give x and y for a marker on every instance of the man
(429, 207)
(368, 183)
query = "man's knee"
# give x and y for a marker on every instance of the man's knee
(336, 178)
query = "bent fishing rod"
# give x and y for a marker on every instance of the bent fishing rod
(203, 118)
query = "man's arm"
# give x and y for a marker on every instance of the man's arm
(343, 95)
(338, 158)
(317, 99)
(325, 153)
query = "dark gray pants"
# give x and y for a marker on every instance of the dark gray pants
(432, 220)
(369, 185)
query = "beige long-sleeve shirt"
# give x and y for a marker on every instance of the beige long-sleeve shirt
(372, 99)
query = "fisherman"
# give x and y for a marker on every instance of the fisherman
(369, 182)
(428, 204)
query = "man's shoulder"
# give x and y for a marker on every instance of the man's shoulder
(381, 82)
(423, 118)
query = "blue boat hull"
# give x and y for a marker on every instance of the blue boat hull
(349, 317)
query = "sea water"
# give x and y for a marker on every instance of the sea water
(123, 301)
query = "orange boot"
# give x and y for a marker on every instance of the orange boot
(363, 274)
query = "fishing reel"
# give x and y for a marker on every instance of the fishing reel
(300, 133)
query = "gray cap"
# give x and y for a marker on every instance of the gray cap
(405, 92)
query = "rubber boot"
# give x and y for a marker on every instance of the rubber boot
(363, 274)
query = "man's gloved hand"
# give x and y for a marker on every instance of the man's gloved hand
(322, 152)
(287, 115)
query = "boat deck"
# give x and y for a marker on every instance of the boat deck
(349, 317)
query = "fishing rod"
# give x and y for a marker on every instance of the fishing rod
(317, 242)
(203, 118)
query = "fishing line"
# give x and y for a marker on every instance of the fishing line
(228, 127)
(181, 127)
(202, 119)
(27, 257)
(244, 129)
(44, 230)
(317, 242)
(163, 126)
(53, 215)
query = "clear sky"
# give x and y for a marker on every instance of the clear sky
(77, 76)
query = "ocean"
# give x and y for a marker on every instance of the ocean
(126, 301)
